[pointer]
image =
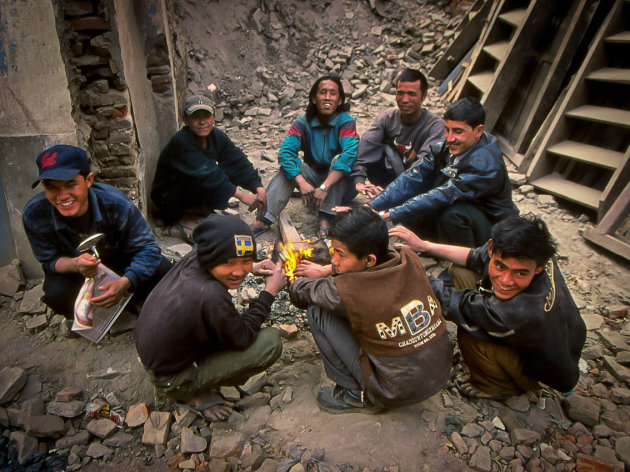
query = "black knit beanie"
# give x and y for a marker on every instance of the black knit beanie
(222, 237)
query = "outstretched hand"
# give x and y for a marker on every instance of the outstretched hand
(264, 267)
(409, 238)
(312, 270)
(277, 280)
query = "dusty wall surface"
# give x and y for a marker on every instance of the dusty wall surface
(36, 111)
(142, 32)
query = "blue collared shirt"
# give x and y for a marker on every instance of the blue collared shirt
(127, 233)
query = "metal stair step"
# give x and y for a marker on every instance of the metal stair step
(621, 37)
(595, 155)
(498, 50)
(558, 185)
(611, 74)
(514, 17)
(482, 80)
(605, 115)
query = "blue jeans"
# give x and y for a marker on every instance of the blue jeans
(280, 189)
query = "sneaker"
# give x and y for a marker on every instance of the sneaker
(340, 399)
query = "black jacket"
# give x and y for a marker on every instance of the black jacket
(542, 323)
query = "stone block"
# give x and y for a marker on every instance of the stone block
(190, 443)
(255, 383)
(137, 415)
(89, 23)
(288, 331)
(582, 409)
(12, 379)
(156, 428)
(226, 443)
(97, 450)
(66, 442)
(524, 436)
(68, 394)
(66, 409)
(620, 372)
(257, 399)
(78, 8)
(101, 44)
(481, 459)
(32, 407)
(26, 446)
(44, 426)
(31, 303)
(101, 428)
(586, 463)
(11, 278)
(37, 323)
(119, 439)
(613, 340)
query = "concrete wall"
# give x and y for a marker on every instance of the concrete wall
(146, 60)
(35, 109)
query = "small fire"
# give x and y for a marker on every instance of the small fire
(291, 257)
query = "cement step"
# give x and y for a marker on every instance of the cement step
(594, 155)
(555, 184)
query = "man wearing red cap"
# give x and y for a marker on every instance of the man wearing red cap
(73, 207)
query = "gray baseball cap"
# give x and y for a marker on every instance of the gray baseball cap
(198, 102)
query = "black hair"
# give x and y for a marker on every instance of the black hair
(414, 75)
(363, 232)
(85, 173)
(311, 108)
(468, 110)
(523, 237)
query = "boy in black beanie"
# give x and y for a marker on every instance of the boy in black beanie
(189, 336)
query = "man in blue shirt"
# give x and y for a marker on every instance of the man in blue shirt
(72, 207)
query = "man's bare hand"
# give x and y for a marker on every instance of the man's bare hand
(261, 202)
(312, 270)
(409, 238)
(318, 198)
(247, 198)
(306, 190)
(277, 279)
(263, 267)
(341, 209)
(368, 190)
(87, 264)
(113, 290)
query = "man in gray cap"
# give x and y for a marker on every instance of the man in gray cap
(200, 169)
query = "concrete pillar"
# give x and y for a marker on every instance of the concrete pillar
(36, 109)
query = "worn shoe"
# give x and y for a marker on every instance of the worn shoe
(340, 399)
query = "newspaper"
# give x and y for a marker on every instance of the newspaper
(93, 322)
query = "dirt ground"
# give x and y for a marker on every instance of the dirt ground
(404, 439)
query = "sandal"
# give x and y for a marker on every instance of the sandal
(199, 410)
(469, 390)
(185, 232)
(259, 227)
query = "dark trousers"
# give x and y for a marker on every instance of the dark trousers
(461, 224)
(61, 290)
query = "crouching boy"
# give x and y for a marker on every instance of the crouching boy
(521, 325)
(189, 336)
(377, 323)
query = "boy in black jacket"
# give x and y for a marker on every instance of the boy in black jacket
(189, 336)
(521, 326)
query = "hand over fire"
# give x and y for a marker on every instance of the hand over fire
(312, 270)
(277, 280)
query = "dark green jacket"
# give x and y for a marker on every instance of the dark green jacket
(191, 179)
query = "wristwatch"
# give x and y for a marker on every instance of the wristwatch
(323, 187)
(381, 214)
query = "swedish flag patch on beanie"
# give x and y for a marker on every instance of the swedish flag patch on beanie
(222, 237)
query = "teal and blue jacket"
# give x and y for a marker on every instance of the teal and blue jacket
(320, 144)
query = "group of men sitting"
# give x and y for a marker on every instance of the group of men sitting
(376, 317)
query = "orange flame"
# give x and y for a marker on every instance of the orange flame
(291, 257)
